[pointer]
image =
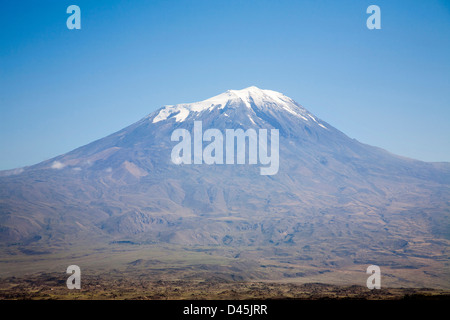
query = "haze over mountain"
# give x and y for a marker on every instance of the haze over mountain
(335, 202)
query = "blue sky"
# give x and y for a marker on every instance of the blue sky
(61, 89)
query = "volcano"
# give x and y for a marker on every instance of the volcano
(334, 201)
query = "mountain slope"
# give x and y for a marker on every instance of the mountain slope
(333, 198)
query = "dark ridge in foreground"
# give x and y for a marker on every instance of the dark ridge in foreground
(53, 287)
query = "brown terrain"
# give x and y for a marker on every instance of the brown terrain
(51, 286)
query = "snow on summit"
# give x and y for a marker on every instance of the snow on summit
(250, 97)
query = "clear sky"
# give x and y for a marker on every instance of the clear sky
(61, 89)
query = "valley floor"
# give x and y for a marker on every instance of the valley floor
(156, 271)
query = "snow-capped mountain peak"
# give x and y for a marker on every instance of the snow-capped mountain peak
(252, 98)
